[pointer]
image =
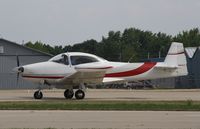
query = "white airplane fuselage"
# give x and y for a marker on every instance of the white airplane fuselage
(74, 68)
(53, 72)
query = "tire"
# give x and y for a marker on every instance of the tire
(69, 94)
(38, 95)
(79, 94)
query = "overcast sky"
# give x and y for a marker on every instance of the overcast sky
(62, 22)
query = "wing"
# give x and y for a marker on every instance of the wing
(91, 73)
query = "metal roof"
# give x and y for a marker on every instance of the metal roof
(26, 47)
(190, 51)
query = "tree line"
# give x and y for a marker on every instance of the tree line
(130, 45)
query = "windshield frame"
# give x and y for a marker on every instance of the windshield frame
(89, 57)
(61, 59)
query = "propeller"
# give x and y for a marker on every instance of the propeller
(17, 72)
(18, 69)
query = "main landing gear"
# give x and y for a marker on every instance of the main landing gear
(69, 93)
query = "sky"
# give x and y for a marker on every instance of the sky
(64, 22)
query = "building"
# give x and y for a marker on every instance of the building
(8, 60)
(193, 63)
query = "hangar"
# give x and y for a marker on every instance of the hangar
(8, 60)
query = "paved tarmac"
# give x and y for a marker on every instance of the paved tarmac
(107, 94)
(100, 119)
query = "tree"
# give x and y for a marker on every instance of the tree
(131, 43)
(111, 46)
(88, 46)
(190, 38)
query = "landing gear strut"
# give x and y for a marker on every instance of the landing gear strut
(38, 95)
(69, 93)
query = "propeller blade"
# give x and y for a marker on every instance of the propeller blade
(16, 69)
(17, 60)
(17, 78)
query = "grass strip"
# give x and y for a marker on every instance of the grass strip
(103, 105)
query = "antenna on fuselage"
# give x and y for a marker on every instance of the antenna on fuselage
(131, 58)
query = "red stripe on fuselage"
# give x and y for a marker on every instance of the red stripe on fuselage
(142, 69)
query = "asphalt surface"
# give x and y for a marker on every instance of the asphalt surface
(100, 119)
(107, 94)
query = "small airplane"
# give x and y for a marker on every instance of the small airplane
(72, 69)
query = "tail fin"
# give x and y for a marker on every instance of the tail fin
(176, 57)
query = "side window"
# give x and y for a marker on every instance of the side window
(75, 60)
(63, 59)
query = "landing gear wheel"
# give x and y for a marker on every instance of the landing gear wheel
(38, 95)
(69, 94)
(79, 94)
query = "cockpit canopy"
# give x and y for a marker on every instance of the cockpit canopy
(76, 58)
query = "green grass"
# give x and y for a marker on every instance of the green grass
(103, 105)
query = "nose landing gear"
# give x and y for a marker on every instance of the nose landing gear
(38, 95)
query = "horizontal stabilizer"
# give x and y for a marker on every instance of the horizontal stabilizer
(113, 80)
(164, 66)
